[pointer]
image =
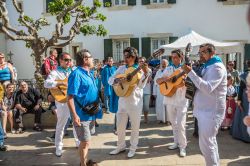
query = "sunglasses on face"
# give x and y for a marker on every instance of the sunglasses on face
(67, 60)
(230, 64)
(88, 57)
(202, 52)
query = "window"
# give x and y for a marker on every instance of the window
(157, 42)
(120, 2)
(75, 49)
(118, 47)
(234, 2)
(158, 1)
(47, 5)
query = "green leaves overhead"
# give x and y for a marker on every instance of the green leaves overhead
(83, 12)
(91, 30)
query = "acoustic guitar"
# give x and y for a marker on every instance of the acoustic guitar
(177, 79)
(60, 92)
(125, 83)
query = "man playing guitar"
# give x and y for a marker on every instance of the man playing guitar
(130, 106)
(176, 105)
(54, 80)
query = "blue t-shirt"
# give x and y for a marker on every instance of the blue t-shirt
(82, 86)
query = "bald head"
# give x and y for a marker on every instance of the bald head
(164, 63)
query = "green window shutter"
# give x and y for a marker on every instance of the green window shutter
(171, 1)
(146, 46)
(108, 48)
(172, 39)
(145, 2)
(134, 42)
(247, 54)
(107, 3)
(47, 5)
(131, 2)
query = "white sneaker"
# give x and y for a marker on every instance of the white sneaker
(131, 153)
(173, 147)
(183, 152)
(117, 151)
(58, 152)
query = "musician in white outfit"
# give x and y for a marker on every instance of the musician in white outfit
(209, 101)
(160, 108)
(176, 105)
(62, 72)
(131, 106)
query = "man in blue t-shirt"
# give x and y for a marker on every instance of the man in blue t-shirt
(82, 91)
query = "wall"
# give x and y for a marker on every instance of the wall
(207, 17)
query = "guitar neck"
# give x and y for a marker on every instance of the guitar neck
(140, 67)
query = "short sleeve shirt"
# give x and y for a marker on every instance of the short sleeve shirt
(81, 84)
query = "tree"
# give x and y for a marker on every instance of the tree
(65, 11)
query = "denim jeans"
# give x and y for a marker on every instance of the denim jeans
(1, 135)
(106, 102)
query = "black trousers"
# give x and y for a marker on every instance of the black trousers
(19, 116)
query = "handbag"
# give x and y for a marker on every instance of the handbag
(91, 109)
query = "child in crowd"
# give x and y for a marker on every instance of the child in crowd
(231, 104)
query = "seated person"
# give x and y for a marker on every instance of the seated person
(28, 100)
(7, 106)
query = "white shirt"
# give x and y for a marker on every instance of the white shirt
(230, 90)
(210, 97)
(147, 88)
(135, 99)
(54, 75)
(178, 99)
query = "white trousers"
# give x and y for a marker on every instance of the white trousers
(208, 129)
(63, 114)
(122, 120)
(160, 109)
(177, 117)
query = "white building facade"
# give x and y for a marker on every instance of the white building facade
(143, 24)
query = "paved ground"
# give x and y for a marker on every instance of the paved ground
(31, 148)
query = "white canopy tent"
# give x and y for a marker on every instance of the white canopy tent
(196, 40)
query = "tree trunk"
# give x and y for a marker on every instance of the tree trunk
(38, 76)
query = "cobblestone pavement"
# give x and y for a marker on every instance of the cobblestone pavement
(31, 148)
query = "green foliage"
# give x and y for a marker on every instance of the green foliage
(101, 17)
(28, 44)
(91, 30)
(107, 4)
(88, 29)
(101, 31)
(66, 18)
(97, 3)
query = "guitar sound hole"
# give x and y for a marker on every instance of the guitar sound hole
(129, 78)
(166, 85)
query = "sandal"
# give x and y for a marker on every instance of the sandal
(37, 128)
(20, 130)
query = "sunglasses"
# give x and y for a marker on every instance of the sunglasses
(67, 60)
(230, 64)
(202, 52)
(88, 57)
